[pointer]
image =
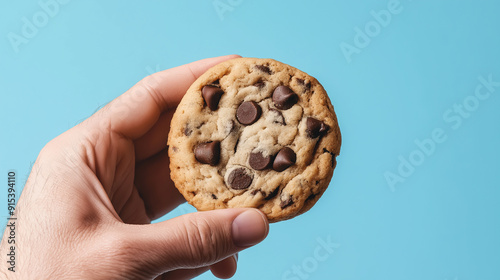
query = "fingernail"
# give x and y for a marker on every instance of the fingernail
(249, 228)
(235, 259)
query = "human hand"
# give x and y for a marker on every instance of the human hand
(86, 208)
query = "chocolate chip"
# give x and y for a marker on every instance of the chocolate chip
(214, 196)
(278, 116)
(312, 196)
(272, 194)
(285, 203)
(315, 128)
(304, 84)
(200, 125)
(248, 112)
(260, 84)
(236, 145)
(284, 98)
(230, 127)
(187, 130)
(267, 196)
(208, 153)
(333, 159)
(285, 158)
(239, 179)
(212, 95)
(258, 161)
(264, 69)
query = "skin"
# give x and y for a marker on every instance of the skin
(86, 208)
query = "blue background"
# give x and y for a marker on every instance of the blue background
(441, 221)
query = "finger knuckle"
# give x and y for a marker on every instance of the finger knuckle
(149, 88)
(118, 246)
(205, 241)
(118, 255)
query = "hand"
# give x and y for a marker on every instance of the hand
(86, 209)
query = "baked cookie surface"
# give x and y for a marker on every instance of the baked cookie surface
(254, 133)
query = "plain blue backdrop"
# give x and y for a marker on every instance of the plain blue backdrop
(415, 84)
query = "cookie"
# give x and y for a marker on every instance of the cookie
(254, 133)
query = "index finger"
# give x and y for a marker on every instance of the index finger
(133, 113)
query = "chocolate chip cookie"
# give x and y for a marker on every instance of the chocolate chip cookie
(254, 133)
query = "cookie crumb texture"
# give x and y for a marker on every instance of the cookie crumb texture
(254, 133)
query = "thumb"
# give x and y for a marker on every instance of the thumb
(194, 240)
